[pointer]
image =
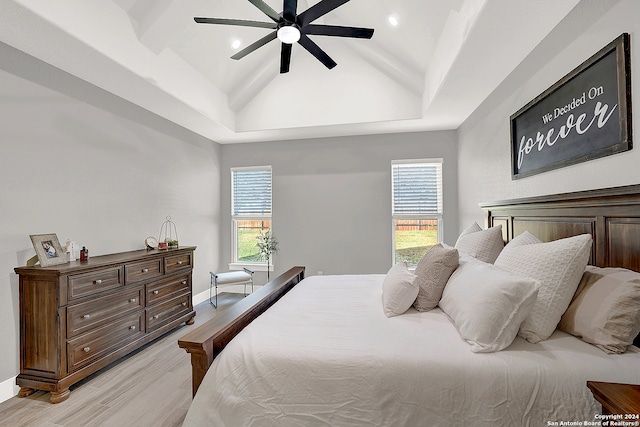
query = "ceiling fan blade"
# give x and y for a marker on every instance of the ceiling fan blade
(247, 50)
(239, 22)
(289, 9)
(315, 50)
(266, 9)
(338, 31)
(285, 58)
(318, 10)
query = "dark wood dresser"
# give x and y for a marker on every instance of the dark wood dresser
(618, 399)
(78, 317)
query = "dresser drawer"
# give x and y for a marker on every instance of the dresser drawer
(84, 284)
(177, 262)
(139, 271)
(85, 316)
(165, 312)
(104, 340)
(165, 288)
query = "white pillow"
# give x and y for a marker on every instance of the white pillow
(487, 304)
(558, 265)
(473, 228)
(398, 290)
(522, 239)
(484, 245)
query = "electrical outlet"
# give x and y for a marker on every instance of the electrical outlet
(319, 272)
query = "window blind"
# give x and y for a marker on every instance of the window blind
(251, 192)
(417, 188)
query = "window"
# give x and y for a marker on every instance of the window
(416, 208)
(250, 212)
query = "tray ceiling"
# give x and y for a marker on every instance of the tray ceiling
(427, 73)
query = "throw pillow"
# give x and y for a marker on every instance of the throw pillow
(605, 310)
(432, 273)
(398, 290)
(484, 245)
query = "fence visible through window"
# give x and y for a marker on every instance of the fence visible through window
(248, 232)
(414, 237)
(416, 206)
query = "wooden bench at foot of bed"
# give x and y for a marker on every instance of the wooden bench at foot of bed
(207, 341)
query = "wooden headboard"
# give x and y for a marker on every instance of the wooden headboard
(611, 216)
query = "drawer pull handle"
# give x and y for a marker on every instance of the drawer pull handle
(184, 282)
(180, 262)
(132, 300)
(145, 270)
(156, 292)
(86, 349)
(155, 317)
(184, 304)
(132, 327)
(86, 316)
(97, 282)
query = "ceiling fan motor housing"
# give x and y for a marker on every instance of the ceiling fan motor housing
(291, 27)
(288, 32)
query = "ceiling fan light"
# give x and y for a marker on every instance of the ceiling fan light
(288, 34)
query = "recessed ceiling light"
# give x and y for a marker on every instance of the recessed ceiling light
(393, 20)
(236, 44)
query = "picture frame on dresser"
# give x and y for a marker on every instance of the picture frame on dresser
(48, 249)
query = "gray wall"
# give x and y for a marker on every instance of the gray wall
(484, 150)
(74, 167)
(332, 197)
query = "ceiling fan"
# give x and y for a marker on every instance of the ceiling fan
(291, 27)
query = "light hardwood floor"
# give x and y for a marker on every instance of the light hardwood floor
(152, 387)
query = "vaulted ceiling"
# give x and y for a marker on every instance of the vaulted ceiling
(429, 72)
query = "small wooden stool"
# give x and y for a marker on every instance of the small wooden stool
(230, 278)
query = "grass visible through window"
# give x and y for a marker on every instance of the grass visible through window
(414, 238)
(248, 232)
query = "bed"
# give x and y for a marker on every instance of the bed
(322, 352)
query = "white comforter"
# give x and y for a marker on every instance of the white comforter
(326, 355)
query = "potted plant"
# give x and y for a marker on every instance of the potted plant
(267, 246)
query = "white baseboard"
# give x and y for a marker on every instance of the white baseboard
(8, 389)
(202, 296)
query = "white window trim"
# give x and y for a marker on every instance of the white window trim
(234, 243)
(251, 266)
(393, 231)
(394, 216)
(239, 265)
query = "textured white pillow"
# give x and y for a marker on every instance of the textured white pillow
(484, 245)
(473, 228)
(432, 273)
(487, 304)
(558, 265)
(398, 290)
(522, 239)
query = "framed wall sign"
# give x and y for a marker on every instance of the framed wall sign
(584, 116)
